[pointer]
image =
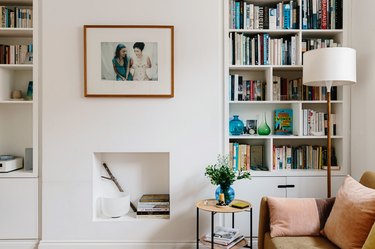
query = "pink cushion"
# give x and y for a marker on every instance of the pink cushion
(293, 217)
(352, 215)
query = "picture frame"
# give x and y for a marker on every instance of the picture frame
(129, 61)
(251, 127)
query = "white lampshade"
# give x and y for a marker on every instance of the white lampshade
(329, 65)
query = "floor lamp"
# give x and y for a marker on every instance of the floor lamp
(329, 67)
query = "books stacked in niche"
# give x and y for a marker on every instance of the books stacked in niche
(225, 237)
(153, 206)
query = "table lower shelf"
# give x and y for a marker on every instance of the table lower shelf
(243, 243)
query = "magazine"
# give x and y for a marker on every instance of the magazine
(237, 243)
(224, 235)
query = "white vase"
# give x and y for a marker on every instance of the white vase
(115, 205)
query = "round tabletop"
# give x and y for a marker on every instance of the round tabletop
(210, 206)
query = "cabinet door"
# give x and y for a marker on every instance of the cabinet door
(19, 208)
(307, 187)
(312, 186)
(253, 191)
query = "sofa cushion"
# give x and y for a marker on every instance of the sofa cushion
(370, 241)
(298, 216)
(352, 215)
(305, 242)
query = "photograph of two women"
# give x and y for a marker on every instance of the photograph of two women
(129, 61)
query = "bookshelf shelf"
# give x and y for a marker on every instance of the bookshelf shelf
(281, 137)
(17, 66)
(285, 102)
(21, 102)
(264, 67)
(17, 2)
(319, 32)
(295, 173)
(18, 173)
(16, 32)
(276, 32)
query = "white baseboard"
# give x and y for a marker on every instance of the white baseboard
(112, 245)
(118, 245)
(18, 244)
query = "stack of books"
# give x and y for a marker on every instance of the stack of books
(225, 238)
(153, 206)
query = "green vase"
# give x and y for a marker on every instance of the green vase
(263, 128)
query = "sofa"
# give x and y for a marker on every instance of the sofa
(265, 241)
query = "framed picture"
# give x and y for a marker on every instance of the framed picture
(251, 127)
(128, 61)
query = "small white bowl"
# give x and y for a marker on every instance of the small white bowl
(115, 205)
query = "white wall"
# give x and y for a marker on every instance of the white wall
(363, 100)
(189, 126)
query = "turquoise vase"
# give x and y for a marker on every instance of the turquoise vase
(236, 126)
(263, 128)
(228, 194)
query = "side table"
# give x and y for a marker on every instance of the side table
(209, 205)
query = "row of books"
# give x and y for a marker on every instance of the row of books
(153, 206)
(16, 17)
(225, 238)
(315, 123)
(293, 89)
(244, 157)
(310, 44)
(288, 157)
(246, 90)
(15, 54)
(322, 14)
(261, 49)
(244, 15)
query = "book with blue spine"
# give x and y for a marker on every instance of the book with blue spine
(283, 122)
(286, 9)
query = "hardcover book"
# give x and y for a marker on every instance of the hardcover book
(155, 198)
(283, 122)
(256, 157)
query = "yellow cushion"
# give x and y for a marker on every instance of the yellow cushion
(370, 241)
(352, 215)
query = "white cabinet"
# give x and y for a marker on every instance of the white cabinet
(19, 208)
(19, 126)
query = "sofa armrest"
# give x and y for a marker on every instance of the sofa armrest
(264, 222)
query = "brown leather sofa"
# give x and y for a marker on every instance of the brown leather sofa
(266, 242)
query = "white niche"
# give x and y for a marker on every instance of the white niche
(137, 172)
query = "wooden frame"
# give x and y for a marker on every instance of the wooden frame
(128, 61)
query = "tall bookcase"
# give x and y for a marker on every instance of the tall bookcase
(19, 117)
(239, 62)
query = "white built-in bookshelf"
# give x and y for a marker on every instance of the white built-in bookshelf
(19, 118)
(237, 39)
(265, 64)
(18, 37)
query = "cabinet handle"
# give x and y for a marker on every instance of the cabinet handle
(286, 186)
